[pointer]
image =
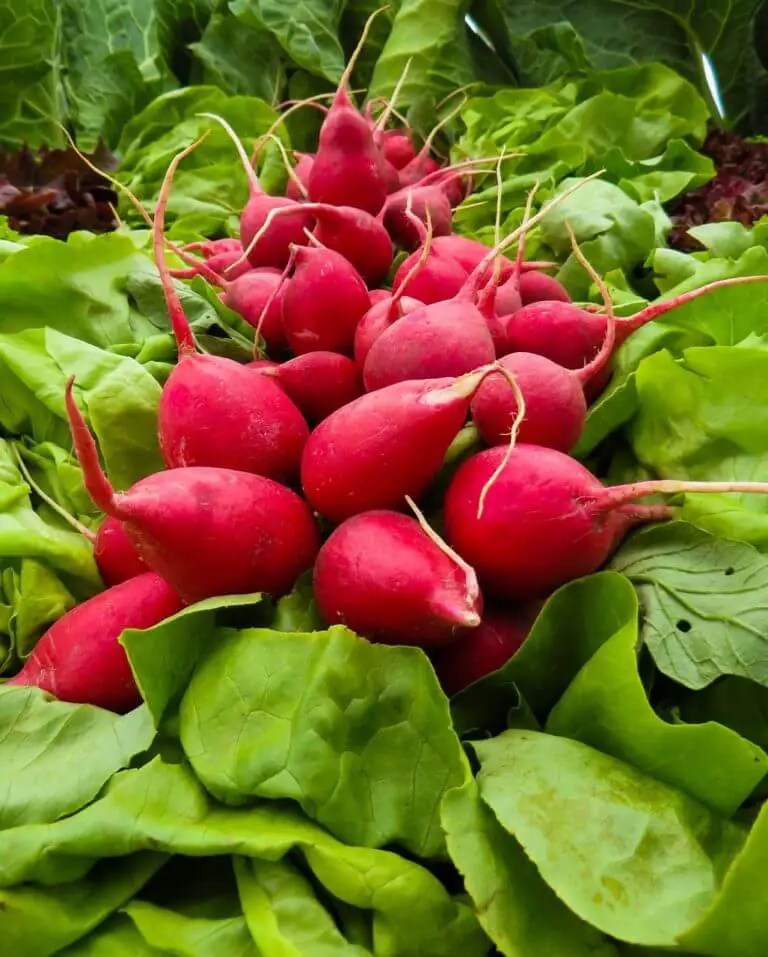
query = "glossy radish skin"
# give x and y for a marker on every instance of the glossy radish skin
(215, 412)
(422, 198)
(379, 295)
(383, 446)
(382, 576)
(380, 317)
(249, 295)
(508, 299)
(555, 406)
(324, 301)
(440, 277)
(320, 383)
(468, 253)
(442, 339)
(274, 246)
(80, 659)
(419, 167)
(301, 170)
(359, 237)
(539, 287)
(397, 147)
(542, 524)
(115, 554)
(481, 651)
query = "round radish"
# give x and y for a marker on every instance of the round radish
(424, 201)
(382, 576)
(380, 317)
(539, 287)
(249, 295)
(397, 147)
(320, 382)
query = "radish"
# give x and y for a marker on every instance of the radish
(379, 295)
(379, 318)
(539, 287)
(423, 201)
(206, 531)
(348, 168)
(324, 301)
(214, 411)
(555, 404)
(385, 445)
(80, 659)
(114, 553)
(319, 382)
(483, 650)
(397, 147)
(546, 520)
(384, 577)
(301, 170)
(257, 297)
(427, 274)
(219, 256)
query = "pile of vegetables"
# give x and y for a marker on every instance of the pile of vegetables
(403, 593)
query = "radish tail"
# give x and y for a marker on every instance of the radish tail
(96, 481)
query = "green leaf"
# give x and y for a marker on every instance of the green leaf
(164, 658)
(76, 746)
(701, 597)
(37, 598)
(284, 915)
(358, 734)
(633, 857)
(606, 707)
(42, 921)
(516, 908)
(184, 936)
(116, 937)
(734, 702)
(165, 806)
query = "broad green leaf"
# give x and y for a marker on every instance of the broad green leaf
(606, 707)
(164, 658)
(36, 598)
(165, 807)
(284, 915)
(734, 702)
(41, 921)
(116, 937)
(701, 597)
(75, 747)
(183, 936)
(358, 734)
(635, 858)
(516, 908)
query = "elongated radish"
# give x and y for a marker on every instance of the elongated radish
(207, 531)
(348, 168)
(547, 520)
(428, 275)
(555, 404)
(324, 301)
(319, 382)
(220, 255)
(423, 201)
(378, 319)
(397, 147)
(385, 445)
(381, 575)
(293, 189)
(539, 287)
(80, 659)
(214, 411)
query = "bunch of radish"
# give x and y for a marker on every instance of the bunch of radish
(347, 416)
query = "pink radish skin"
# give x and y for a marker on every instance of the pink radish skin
(323, 303)
(220, 256)
(483, 650)
(249, 295)
(443, 339)
(214, 411)
(397, 147)
(357, 236)
(348, 169)
(302, 169)
(379, 295)
(422, 199)
(274, 246)
(80, 659)
(439, 279)
(115, 554)
(377, 320)
(260, 536)
(320, 383)
(546, 520)
(382, 576)
(539, 287)
(383, 446)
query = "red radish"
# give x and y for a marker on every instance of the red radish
(207, 531)
(439, 278)
(483, 650)
(221, 256)
(324, 301)
(319, 382)
(214, 411)
(381, 575)
(555, 404)
(571, 336)
(266, 240)
(546, 520)
(468, 253)
(539, 287)
(398, 148)
(258, 298)
(385, 445)
(263, 364)
(423, 201)
(422, 163)
(380, 317)
(114, 554)
(302, 168)
(80, 659)
(348, 168)
(507, 299)
(379, 295)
